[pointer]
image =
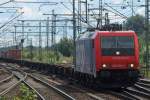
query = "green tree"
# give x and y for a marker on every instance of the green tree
(65, 47)
(136, 23)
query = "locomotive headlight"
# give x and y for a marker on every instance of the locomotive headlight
(104, 65)
(117, 53)
(131, 65)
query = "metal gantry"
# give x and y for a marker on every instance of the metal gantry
(74, 33)
(53, 27)
(47, 34)
(147, 17)
(99, 20)
(40, 42)
(77, 17)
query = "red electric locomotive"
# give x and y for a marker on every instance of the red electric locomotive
(110, 57)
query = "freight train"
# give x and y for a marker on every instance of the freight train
(109, 57)
(103, 58)
(10, 52)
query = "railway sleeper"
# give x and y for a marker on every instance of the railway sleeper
(139, 93)
(138, 87)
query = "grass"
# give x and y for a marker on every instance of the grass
(49, 56)
(24, 94)
(145, 72)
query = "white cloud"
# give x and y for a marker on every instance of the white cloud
(67, 12)
(141, 11)
(116, 1)
(31, 13)
(24, 0)
(26, 10)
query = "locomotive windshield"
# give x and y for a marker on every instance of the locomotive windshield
(123, 44)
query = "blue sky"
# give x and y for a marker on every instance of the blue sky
(32, 10)
(35, 11)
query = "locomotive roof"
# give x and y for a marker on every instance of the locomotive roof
(116, 31)
(86, 35)
(91, 35)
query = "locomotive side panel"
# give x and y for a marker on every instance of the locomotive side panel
(136, 50)
(84, 54)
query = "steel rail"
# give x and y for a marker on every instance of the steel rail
(7, 79)
(123, 94)
(91, 95)
(44, 83)
(95, 97)
(145, 81)
(31, 87)
(141, 88)
(137, 92)
(133, 97)
(129, 93)
(23, 81)
(12, 86)
(143, 84)
(68, 97)
(38, 94)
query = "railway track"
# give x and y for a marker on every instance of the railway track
(144, 85)
(131, 93)
(145, 81)
(11, 82)
(79, 93)
(123, 95)
(6, 79)
(4, 75)
(48, 91)
(128, 94)
(43, 90)
(138, 92)
(8, 83)
(76, 92)
(21, 76)
(99, 95)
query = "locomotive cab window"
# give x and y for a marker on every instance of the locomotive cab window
(125, 42)
(122, 44)
(108, 42)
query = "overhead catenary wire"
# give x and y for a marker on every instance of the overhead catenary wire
(81, 18)
(131, 6)
(6, 2)
(116, 11)
(14, 13)
(35, 2)
(10, 20)
(11, 7)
